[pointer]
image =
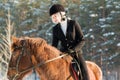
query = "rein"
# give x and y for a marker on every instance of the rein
(40, 64)
(35, 66)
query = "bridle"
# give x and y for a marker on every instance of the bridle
(18, 73)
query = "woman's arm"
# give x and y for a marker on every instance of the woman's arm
(79, 36)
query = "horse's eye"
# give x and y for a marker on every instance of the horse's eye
(17, 48)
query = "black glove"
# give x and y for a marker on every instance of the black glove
(71, 52)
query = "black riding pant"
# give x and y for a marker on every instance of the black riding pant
(83, 67)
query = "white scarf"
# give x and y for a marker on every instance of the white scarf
(64, 26)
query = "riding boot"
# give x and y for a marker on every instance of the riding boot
(83, 67)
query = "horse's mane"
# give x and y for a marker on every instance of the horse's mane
(39, 47)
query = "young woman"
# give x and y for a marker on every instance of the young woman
(69, 33)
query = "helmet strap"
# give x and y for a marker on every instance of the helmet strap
(63, 17)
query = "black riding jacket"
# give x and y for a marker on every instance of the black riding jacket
(74, 37)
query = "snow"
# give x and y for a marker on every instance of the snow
(105, 25)
(2, 75)
(113, 56)
(117, 7)
(16, 2)
(100, 50)
(112, 12)
(118, 44)
(94, 46)
(107, 42)
(86, 35)
(92, 36)
(90, 29)
(109, 33)
(32, 76)
(101, 7)
(115, 3)
(109, 18)
(26, 21)
(30, 31)
(109, 6)
(102, 19)
(93, 15)
(36, 12)
(2, 19)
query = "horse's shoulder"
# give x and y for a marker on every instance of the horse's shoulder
(67, 58)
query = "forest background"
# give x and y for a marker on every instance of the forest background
(99, 19)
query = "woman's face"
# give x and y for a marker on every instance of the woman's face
(56, 18)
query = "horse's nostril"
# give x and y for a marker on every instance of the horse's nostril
(8, 77)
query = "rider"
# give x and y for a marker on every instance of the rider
(69, 33)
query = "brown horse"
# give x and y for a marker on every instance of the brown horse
(35, 53)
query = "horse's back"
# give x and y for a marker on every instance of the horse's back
(94, 70)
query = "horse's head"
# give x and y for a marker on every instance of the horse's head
(20, 59)
(28, 52)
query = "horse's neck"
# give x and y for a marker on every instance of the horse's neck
(46, 52)
(56, 66)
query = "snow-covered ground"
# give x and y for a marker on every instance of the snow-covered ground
(32, 76)
(109, 76)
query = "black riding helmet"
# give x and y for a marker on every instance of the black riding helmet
(56, 8)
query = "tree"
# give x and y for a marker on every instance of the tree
(5, 52)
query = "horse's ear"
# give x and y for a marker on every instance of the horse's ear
(14, 39)
(22, 42)
(43, 42)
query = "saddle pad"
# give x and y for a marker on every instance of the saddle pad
(74, 72)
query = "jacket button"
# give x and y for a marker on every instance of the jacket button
(67, 44)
